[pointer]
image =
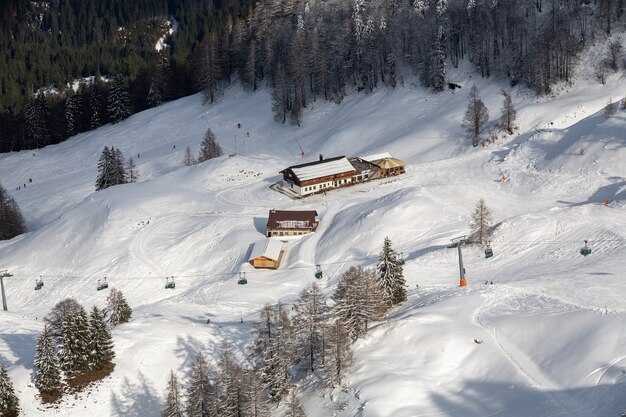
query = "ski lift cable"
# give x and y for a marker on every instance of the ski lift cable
(311, 266)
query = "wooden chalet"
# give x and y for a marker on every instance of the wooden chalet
(266, 253)
(314, 177)
(291, 223)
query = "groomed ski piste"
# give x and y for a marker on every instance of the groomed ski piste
(552, 325)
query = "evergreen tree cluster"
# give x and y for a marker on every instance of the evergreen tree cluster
(11, 220)
(117, 308)
(112, 170)
(71, 344)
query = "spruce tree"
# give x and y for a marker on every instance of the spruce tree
(390, 275)
(74, 354)
(118, 171)
(173, 401)
(105, 167)
(11, 220)
(159, 88)
(9, 403)
(481, 223)
(101, 342)
(119, 99)
(476, 116)
(209, 148)
(118, 309)
(48, 373)
(188, 159)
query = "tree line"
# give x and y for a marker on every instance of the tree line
(312, 339)
(303, 50)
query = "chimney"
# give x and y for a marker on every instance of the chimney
(321, 157)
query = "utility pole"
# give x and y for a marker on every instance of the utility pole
(4, 274)
(457, 242)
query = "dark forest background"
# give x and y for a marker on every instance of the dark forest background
(304, 50)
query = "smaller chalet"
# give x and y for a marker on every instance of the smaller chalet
(291, 223)
(313, 177)
(266, 253)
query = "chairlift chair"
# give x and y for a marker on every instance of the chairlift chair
(169, 283)
(488, 251)
(242, 279)
(585, 250)
(39, 283)
(401, 258)
(102, 284)
(318, 271)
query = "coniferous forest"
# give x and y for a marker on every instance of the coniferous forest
(304, 50)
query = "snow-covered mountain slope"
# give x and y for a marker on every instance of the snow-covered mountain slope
(552, 325)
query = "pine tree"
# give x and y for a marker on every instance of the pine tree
(173, 400)
(101, 342)
(439, 56)
(118, 309)
(201, 395)
(48, 374)
(294, 406)
(390, 275)
(209, 148)
(188, 159)
(75, 344)
(311, 313)
(37, 121)
(9, 403)
(208, 69)
(476, 116)
(118, 171)
(11, 220)
(131, 171)
(338, 354)
(509, 114)
(481, 223)
(72, 115)
(119, 100)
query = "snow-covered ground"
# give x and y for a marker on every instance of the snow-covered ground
(552, 324)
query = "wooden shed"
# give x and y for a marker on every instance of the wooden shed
(266, 253)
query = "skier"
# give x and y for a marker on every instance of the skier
(208, 321)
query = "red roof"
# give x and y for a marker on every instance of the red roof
(287, 219)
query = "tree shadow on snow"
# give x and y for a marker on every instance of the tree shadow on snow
(137, 399)
(611, 192)
(23, 347)
(480, 398)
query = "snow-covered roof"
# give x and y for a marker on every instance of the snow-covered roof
(322, 168)
(376, 157)
(268, 248)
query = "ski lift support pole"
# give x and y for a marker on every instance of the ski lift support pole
(457, 242)
(4, 274)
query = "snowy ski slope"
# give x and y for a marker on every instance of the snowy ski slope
(552, 325)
